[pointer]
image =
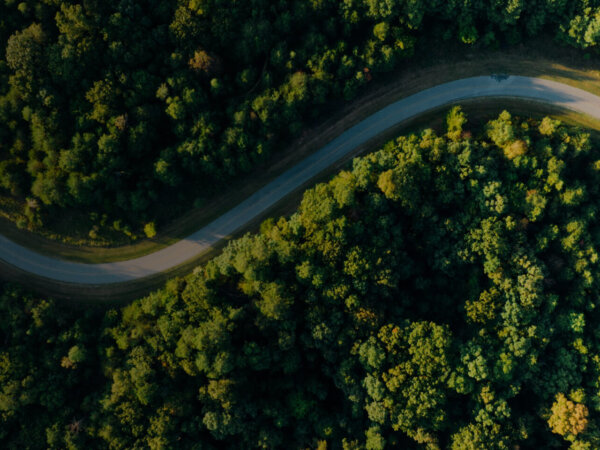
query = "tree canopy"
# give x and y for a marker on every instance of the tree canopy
(440, 293)
(131, 111)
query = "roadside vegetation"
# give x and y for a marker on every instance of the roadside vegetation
(119, 116)
(441, 293)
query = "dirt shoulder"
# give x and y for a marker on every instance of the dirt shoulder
(540, 58)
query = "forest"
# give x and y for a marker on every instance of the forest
(130, 112)
(439, 293)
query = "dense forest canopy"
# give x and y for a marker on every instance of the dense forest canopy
(440, 294)
(131, 110)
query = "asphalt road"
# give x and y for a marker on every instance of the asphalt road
(469, 88)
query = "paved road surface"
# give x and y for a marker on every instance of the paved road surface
(485, 86)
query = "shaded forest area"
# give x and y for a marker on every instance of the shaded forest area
(440, 294)
(130, 112)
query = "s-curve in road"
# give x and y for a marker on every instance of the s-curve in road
(469, 88)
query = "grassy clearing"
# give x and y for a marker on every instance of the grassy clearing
(540, 58)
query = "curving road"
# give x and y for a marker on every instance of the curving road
(469, 88)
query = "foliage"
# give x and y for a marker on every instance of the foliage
(568, 418)
(133, 110)
(441, 293)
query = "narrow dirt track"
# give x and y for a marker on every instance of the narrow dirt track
(536, 89)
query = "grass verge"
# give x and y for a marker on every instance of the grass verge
(478, 111)
(541, 58)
